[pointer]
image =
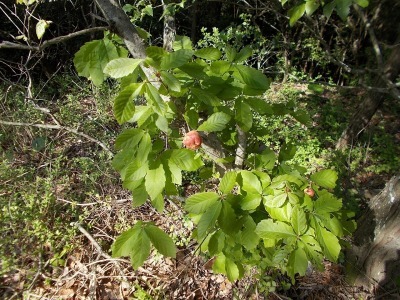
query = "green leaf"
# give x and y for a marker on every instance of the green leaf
(209, 53)
(206, 97)
(297, 263)
(135, 170)
(232, 270)
(176, 59)
(216, 122)
(227, 219)
(186, 159)
(362, 3)
(230, 53)
(329, 243)
(328, 9)
(156, 52)
(155, 181)
(144, 148)
(293, 198)
(335, 226)
(220, 67)
(129, 138)
(343, 8)
(161, 241)
(153, 96)
(158, 203)
(41, 27)
(148, 10)
(295, 13)
(250, 182)
(194, 70)
(162, 124)
(134, 243)
(268, 229)
(176, 174)
(124, 107)
(311, 6)
(208, 219)
(287, 152)
(283, 213)
(302, 116)
(200, 202)
(228, 182)
(260, 106)
(250, 201)
(216, 243)
(182, 42)
(219, 264)
(325, 178)
(327, 203)
(248, 237)
(244, 54)
(170, 81)
(299, 220)
(280, 180)
(277, 200)
(252, 77)
(192, 118)
(313, 250)
(121, 67)
(142, 114)
(264, 178)
(139, 196)
(92, 57)
(244, 117)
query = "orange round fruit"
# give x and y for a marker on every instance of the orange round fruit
(192, 140)
(309, 191)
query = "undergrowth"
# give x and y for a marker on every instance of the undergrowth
(50, 179)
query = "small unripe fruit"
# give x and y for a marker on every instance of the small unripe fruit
(192, 140)
(309, 191)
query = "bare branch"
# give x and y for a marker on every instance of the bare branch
(121, 24)
(45, 44)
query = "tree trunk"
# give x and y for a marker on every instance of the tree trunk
(169, 29)
(367, 108)
(374, 260)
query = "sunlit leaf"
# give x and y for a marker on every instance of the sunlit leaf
(208, 219)
(121, 67)
(209, 53)
(155, 181)
(216, 122)
(295, 13)
(161, 241)
(200, 202)
(269, 229)
(325, 178)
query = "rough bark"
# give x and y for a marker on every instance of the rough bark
(122, 26)
(374, 259)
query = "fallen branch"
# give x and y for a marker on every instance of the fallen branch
(60, 127)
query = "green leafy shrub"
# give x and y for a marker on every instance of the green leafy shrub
(263, 212)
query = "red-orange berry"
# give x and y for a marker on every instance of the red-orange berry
(192, 140)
